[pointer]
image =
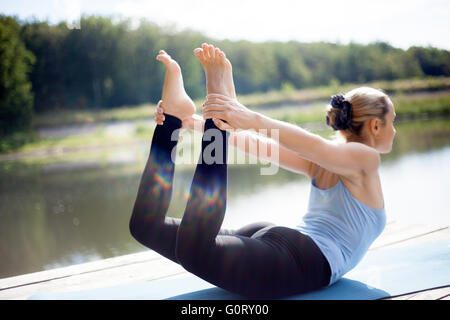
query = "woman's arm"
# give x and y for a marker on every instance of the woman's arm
(287, 159)
(242, 140)
(346, 159)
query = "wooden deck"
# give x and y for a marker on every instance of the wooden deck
(148, 265)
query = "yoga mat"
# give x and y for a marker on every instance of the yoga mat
(381, 273)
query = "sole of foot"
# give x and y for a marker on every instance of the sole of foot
(218, 70)
(175, 100)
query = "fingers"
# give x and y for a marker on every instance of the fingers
(222, 125)
(215, 100)
(214, 107)
(216, 114)
(159, 119)
(217, 95)
(159, 113)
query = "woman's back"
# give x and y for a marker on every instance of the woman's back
(366, 189)
(342, 226)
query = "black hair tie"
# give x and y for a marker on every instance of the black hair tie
(344, 116)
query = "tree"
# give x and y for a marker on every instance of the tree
(110, 63)
(16, 98)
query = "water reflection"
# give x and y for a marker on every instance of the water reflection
(56, 217)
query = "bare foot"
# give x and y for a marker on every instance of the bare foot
(175, 100)
(218, 70)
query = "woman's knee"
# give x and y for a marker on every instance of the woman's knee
(136, 230)
(191, 251)
(140, 228)
(189, 257)
(133, 227)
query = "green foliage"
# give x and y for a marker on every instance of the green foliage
(16, 99)
(287, 87)
(432, 61)
(108, 64)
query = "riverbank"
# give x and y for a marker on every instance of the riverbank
(69, 131)
(400, 88)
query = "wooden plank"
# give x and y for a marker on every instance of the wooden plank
(395, 233)
(412, 239)
(433, 294)
(148, 265)
(125, 274)
(78, 269)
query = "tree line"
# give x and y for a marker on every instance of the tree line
(107, 64)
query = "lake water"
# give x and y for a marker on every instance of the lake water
(58, 214)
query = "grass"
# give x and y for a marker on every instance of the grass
(407, 105)
(428, 105)
(65, 117)
(324, 92)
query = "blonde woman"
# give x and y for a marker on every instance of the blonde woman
(346, 209)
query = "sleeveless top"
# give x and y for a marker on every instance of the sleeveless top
(341, 226)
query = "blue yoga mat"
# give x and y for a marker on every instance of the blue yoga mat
(382, 273)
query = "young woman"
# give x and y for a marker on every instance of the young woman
(346, 208)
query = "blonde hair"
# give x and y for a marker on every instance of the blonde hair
(367, 103)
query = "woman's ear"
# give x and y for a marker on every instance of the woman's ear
(374, 126)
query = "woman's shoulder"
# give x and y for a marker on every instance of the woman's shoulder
(356, 152)
(327, 178)
(365, 187)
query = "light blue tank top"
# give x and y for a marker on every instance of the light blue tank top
(342, 226)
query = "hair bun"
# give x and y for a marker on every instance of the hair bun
(343, 117)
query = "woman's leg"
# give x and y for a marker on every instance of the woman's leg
(273, 262)
(206, 204)
(149, 224)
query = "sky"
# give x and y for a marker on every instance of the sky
(402, 23)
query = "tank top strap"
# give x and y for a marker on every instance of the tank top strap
(317, 171)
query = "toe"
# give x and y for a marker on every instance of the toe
(163, 57)
(205, 50)
(211, 51)
(198, 52)
(221, 56)
(216, 52)
(204, 55)
(169, 63)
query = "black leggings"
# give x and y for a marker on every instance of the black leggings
(260, 260)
